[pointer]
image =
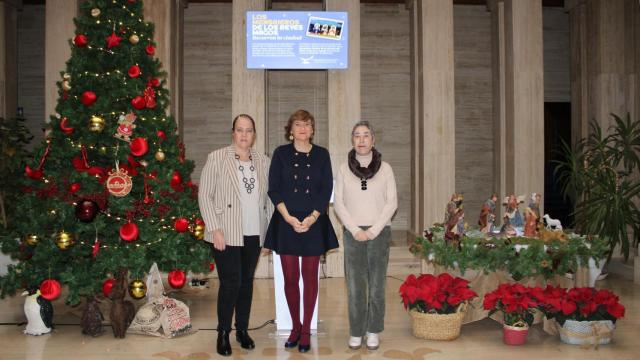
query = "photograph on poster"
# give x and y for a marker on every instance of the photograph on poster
(325, 28)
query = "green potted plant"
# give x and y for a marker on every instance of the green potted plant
(600, 175)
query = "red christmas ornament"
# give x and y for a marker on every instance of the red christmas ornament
(129, 232)
(139, 146)
(50, 289)
(134, 71)
(73, 188)
(199, 222)
(36, 174)
(88, 98)
(86, 210)
(150, 50)
(95, 248)
(107, 285)
(138, 102)
(212, 266)
(161, 135)
(181, 225)
(153, 82)
(113, 40)
(177, 278)
(64, 127)
(176, 181)
(80, 40)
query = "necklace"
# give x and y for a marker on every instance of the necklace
(249, 183)
(363, 184)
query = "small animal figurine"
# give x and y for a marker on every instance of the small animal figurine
(122, 311)
(552, 224)
(547, 236)
(92, 317)
(39, 312)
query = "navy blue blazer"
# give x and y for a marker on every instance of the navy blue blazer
(304, 182)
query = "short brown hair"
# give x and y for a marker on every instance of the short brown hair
(299, 115)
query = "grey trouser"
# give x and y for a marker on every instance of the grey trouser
(365, 268)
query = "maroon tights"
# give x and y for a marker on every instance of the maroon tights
(291, 272)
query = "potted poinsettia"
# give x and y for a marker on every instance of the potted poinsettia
(586, 316)
(517, 304)
(436, 304)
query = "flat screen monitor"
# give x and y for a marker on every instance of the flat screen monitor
(297, 40)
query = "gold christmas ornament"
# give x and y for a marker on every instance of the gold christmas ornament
(96, 124)
(95, 12)
(197, 230)
(160, 155)
(137, 289)
(66, 76)
(31, 239)
(64, 240)
(66, 86)
(134, 39)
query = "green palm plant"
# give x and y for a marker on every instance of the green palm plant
(600, 175)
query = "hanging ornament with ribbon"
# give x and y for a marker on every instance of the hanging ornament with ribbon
(37, 174)
(119, 183)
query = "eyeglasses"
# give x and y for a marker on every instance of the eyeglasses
(363, 184)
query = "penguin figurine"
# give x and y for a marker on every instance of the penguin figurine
(39, 312)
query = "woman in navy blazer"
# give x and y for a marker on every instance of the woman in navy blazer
(300, 186)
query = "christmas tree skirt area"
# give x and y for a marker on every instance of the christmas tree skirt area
(483, 339)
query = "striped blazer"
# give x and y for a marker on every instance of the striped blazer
(219, 195)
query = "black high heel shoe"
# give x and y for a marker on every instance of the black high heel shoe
(306, 347)
(293, 340)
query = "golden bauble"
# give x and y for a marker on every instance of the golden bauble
(96, 124)
(137, 289)
(31, 239)
(66, 76)
(134, 39)
(160, 155)
(95, 12)
(64, 240)
(197, 231)
(66, 86)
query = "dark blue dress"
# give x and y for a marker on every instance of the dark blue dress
(304, 182)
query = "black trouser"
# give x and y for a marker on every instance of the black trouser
(236, 267)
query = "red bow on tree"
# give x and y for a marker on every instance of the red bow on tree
(149, 97)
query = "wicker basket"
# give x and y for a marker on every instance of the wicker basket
(437, 326)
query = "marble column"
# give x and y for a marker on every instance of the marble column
(344, 110)
(167, 18)
(605, 58)
(434, 108)
(248, 86)
(518, 96)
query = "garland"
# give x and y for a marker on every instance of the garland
(520, 256)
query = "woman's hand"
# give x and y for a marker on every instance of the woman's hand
(361, 235)
(296, 224)
(218, 240)
(308, 221)
(265, 251)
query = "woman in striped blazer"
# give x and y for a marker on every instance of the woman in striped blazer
(235, 208)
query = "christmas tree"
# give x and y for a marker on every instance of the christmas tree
(109, 187)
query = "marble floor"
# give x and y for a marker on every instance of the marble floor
(479, 340)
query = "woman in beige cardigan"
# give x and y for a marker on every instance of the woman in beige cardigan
(235, 208)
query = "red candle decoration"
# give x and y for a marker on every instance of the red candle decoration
(88, 98)
(107, 285)
(181, 225)
(50, 289)
(129, 232)
(177, 278)
(139, 146)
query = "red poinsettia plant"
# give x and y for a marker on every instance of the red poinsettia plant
(515, 301)
(580, 304)
(440, 294)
